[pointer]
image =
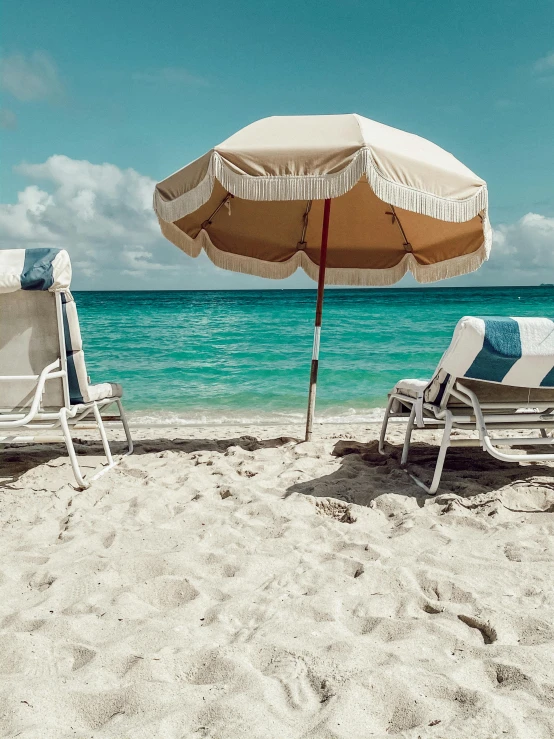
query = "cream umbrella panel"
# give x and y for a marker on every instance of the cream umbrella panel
(260, 203)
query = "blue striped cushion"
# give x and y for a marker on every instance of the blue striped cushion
(80, 389)
(507, 350)
(34, 269)
(501, 350)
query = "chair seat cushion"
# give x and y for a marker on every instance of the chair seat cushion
(411, 388)
(104, 390)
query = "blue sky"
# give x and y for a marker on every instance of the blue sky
(149, 86)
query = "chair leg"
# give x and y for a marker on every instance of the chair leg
(102, 430)
(384, 426)
(82, 483)
(101, 427)
(408, 437)
(125, 425)
(445, 443)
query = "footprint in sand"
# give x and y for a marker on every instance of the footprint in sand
(81, 656)
(167, 592)
(487, 631)
(337, 509)
(108, 539)
(510, 677)
(39, 659)
(79, 590)
(303, 691)
(441, 589)
(41, 581)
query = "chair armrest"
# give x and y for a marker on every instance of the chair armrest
(50, 372)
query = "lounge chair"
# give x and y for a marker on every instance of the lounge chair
(497, 374)
(43, 378)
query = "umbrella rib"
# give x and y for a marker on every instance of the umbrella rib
(302, 243)
(225, 200)
(395, 219)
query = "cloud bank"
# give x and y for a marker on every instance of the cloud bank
(523, 252)
(103, 216)
(33, 77)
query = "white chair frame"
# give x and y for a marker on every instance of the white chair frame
(472, 415)
(66, 417)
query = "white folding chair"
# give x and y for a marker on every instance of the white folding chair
(43, 378)
(497, 374)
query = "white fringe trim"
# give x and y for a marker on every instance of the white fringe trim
(320, 187)
(362, 277)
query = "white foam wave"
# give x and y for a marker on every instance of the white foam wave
(182, 418)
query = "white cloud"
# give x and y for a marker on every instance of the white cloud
(139, 261)
(171, 76)
(545, 63)
(33, 77)
(523, 252)
(8, 119)
(103, 216)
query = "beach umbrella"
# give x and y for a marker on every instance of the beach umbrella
(348, 200)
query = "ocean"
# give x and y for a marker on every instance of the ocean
(195, 357)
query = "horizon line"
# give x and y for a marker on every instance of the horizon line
(308, 289)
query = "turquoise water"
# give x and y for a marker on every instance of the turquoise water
(222, 356)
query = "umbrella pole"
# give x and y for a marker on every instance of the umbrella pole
(318, 312)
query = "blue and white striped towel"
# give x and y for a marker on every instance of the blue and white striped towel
(510, 351)
(34, 269)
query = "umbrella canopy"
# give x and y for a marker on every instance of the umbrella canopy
(260, 203)
(255, 203)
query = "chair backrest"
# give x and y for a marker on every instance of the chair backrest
(38, 325)
(29, 342)
(515, 352)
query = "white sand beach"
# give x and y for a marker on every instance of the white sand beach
(226, 584)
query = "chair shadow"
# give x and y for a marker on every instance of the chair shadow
(18, 459)
(365, 474)
(189, 446)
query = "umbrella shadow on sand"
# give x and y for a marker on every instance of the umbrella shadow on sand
(365, 475)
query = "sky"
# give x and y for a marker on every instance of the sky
(101, 100)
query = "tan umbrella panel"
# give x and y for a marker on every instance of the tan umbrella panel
(400, 203)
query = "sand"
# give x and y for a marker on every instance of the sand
(227, 583)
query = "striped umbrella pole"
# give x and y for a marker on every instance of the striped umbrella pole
(318, 313)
